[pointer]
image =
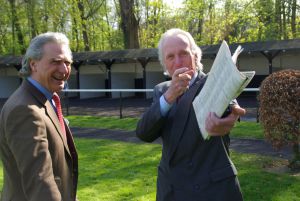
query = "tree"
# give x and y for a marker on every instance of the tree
(16, 28)
(152, 18)
(85, 14)
(5, 20)
(293, 18)
(115, 24)
(195, 15)
(280, 111)
(129, 24)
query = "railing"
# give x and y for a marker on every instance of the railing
(107, 90)
(256, 90)
(132, 90)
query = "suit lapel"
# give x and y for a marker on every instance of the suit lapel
(49, 110)
(181, 113)
(52, 115)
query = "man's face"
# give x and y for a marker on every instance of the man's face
(178, 54)
(54, 68)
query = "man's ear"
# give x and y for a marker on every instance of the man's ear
(196, 57)
(32, 65)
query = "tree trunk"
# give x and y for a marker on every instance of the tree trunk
(295, 162)
(31, 19)
(84, 26)
(278, 18)
(283, 12)
(129, 24)
(13, 21)
(293, 18)
(16, 27)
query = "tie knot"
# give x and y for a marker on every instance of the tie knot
(56, 99)
(55, 95)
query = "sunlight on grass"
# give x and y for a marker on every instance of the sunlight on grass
(242, 129)
(246, 129)
(257, 184)
(119, 171)
(112, 170)
(102, 122)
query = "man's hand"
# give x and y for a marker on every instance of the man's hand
(216, 126)
(180, 83)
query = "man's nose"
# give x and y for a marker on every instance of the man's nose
(178, 61)
(64, 68)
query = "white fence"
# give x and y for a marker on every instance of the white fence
(131, 90)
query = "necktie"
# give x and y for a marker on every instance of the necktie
(59, 112)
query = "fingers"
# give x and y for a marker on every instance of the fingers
(180, 83)
(179, 71)
(237, 110)
(181, 80)
(216, 126)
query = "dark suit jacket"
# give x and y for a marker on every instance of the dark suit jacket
(39, 162)
(191, 169)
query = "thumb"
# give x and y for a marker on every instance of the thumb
(236, 109)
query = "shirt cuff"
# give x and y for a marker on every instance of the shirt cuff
(164, 106)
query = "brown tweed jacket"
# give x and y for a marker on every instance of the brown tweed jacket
(39, 162)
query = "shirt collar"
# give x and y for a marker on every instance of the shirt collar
(42, 89)
(194, 78)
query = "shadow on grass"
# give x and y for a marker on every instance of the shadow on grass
(258, 184)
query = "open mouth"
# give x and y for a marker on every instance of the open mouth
(61, 79)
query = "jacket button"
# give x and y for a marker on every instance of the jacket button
(196, 187)
(190, 163)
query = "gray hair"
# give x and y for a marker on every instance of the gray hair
(35, 49)
(194, 48)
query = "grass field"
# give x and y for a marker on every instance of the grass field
(241, 130)
(119, 171)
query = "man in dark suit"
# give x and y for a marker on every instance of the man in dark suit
(191, 168)
(36, 146)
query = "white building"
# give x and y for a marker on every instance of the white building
(140, 68)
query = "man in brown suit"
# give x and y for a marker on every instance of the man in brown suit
(37, 151)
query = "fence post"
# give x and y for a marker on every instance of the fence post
(257, 107)
(121, 105)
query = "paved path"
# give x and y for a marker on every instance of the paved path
(240, 145)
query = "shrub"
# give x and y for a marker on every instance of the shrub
(279, 111)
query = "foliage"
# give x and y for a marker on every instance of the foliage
(280, 107)
(280, 110)
(96, 25)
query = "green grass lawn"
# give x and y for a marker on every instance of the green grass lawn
(241, 129)
(102, 122)
(119, 171)
(246, 129)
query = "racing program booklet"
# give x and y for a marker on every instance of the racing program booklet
(224, 83)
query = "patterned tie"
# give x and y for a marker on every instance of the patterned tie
(59, 112)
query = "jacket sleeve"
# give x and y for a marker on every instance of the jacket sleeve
(27, 138)
(150, 125)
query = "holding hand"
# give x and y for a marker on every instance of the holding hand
(216, 126)
(180, 83)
